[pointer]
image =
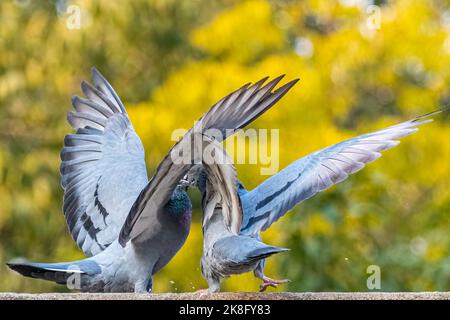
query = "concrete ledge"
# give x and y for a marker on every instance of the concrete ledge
(233, 296)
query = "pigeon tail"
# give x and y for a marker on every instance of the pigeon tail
(243, 250)
(263, 252)
(57, 272)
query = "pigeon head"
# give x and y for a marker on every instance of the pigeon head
(196, 177)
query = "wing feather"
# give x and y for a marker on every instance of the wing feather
(102, 168)
(317, 172)
(222, 186)
(227, 116)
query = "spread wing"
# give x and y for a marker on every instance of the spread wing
(103, 167)
(226, 116)
(222, 186)
(316, 172)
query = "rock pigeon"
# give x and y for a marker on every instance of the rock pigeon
(225, 250)
(128, 226)
(233, 246)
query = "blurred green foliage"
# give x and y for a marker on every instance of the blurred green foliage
(170, 60)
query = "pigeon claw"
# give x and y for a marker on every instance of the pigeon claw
(268, 282)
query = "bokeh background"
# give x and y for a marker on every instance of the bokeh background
(363, 65)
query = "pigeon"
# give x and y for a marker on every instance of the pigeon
(130, 227)
(234, 246)
(225, 250)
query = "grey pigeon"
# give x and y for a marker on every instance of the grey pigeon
(231, 250)
(225, 250)
(128, 226)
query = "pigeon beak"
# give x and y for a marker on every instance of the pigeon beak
(184, 183)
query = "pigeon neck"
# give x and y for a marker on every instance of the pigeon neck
(180, 206)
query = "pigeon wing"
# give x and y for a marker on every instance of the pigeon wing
(222, 186)
(228, 115)
(102, 169)
(316, 172)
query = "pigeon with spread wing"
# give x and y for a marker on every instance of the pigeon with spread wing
(225, 239)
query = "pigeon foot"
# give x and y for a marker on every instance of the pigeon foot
(268, 282)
